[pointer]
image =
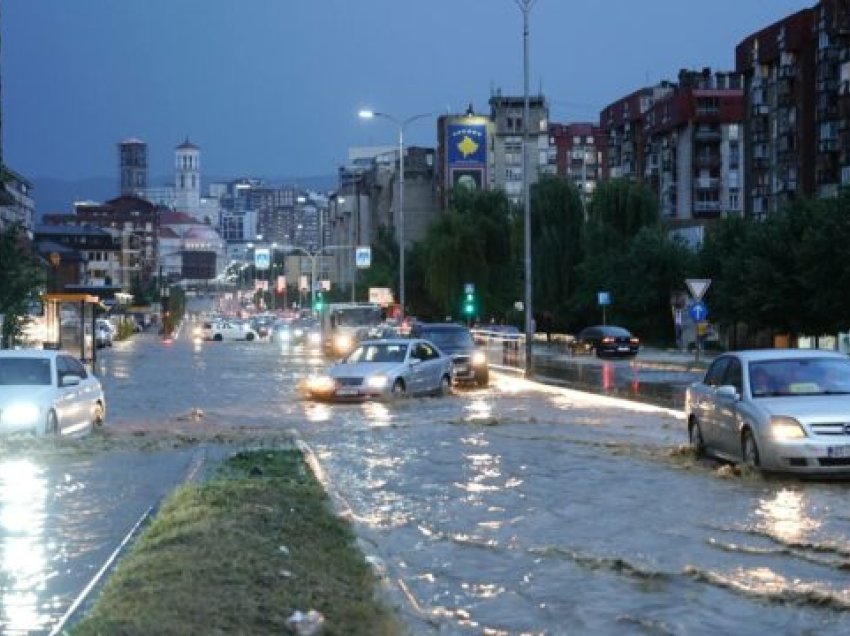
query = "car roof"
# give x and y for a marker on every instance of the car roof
(389, 341)
(757, 355)
(31, 353)
(442, 326)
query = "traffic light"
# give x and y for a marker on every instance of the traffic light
(320, 301)
(469, 305)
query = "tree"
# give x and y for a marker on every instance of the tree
(557, 231)
(21, 279)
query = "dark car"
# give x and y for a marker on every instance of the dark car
(606, 340)
(469, 363)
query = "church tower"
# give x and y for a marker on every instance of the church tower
(187, 178)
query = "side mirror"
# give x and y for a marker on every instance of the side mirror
(727, 390)
(71, 380)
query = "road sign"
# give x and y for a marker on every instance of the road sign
(604, 298)
(262, 258)
(698, 311)
(469, 288)
(698, 286)
(363, 257)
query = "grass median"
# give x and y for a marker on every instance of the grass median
(239, 554)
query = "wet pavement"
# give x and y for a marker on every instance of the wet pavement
(520, 508)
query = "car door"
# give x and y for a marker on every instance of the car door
(419, 367)
(726, 411)
(68, 405)
(704, 405)
(431, 367)
(89, 391)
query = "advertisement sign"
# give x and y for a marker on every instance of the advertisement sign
(303, 285)
(281, 284)
(381, 296)
(469, 178)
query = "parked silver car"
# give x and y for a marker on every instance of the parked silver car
(776, 409)
(386, 368)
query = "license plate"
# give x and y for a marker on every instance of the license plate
(622, 348)
(461, 368)
(346, 392)
(838, 451)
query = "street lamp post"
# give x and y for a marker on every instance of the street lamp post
(525, 6)
(402, 124)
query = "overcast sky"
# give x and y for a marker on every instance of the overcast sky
(272, 87)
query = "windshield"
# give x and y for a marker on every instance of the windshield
(378, 353)
(449, 338)
(358, 316)
(811, 376)
(25, 371)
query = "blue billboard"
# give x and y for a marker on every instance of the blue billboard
(467, 144)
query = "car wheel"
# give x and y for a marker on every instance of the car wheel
(217, 337)
(445, 386)
(99, 416)
(51, 423)
(249, 337)
(750, 449)
(399, 389)
(696, 439)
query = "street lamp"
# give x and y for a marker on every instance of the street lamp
(525, 6)
(371, 114)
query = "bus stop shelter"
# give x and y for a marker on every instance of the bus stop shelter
(69, 324)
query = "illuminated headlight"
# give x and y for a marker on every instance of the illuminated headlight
(198, 331)
(342, 342)
(376, 381)
(321, 383)
(284, 335)
(299, 333)
(478, 358)
(20, 414)
(315, 338)
(786, 428)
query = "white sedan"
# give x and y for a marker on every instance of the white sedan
(386, 368)
(775, 409)
(48, 393)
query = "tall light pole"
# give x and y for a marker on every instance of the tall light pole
(525, 6)
(402, 124)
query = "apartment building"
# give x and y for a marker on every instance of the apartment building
(578, 152)
(692, 153)
(797, 107)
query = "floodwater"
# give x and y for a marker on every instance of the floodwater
(516, 509)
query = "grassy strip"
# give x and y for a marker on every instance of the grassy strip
(238, 555)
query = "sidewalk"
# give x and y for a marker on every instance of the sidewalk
(648, 357)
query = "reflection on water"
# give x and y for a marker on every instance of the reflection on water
(784, 516)
(23, 564)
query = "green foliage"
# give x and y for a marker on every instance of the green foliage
(20, 281)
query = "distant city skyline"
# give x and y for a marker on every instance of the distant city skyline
(272, 88)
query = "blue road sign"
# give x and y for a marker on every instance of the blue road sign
(698, 311)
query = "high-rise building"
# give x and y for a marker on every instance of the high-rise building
(578, 152)
(187, 178)
(133, 166)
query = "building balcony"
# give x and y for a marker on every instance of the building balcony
(707, 209)
(707, 160)
(828, 145)
(707, 134)
(787, 71)
(759, 110)
(710, 183)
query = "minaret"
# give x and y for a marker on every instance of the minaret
(133, 158)
(187, 178)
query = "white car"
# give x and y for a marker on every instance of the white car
(386, 368)
(775, 409)
(48, 393)
(228, 330)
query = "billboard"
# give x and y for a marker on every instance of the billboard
(467, 145)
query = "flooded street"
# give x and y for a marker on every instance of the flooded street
(520, 508)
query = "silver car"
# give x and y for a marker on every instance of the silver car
(775, 409)
(386, 368)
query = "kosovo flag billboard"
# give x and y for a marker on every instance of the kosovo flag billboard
(467, 145)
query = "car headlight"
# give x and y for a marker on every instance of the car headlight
(376, 381)
(283, 335)
(321, 383)
(299, 333)
(478, 358)
(342, 342)
(315, 338)
(786, 428)
(21, 414)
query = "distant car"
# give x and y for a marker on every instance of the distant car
(386, 368)
(48, 393)
(774, 409)
(228, 330)
(470, 363)
(103, 334)
(606, 340)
